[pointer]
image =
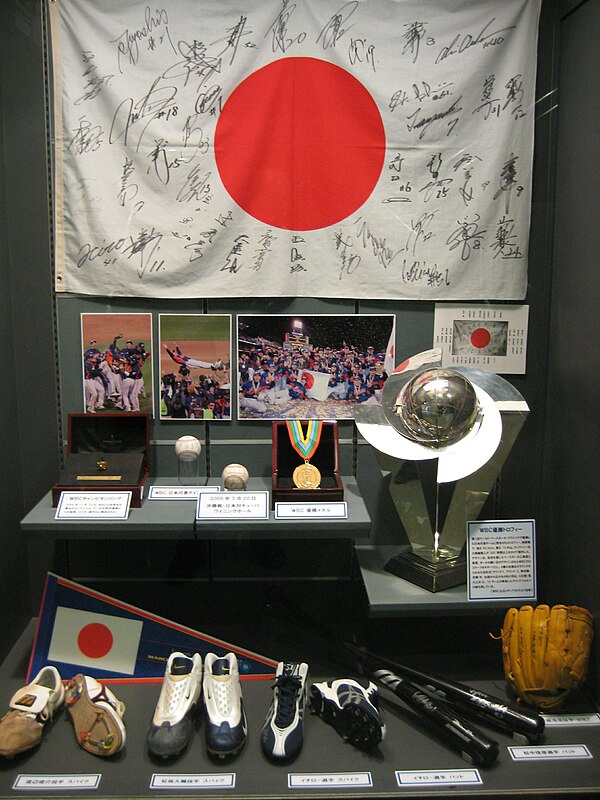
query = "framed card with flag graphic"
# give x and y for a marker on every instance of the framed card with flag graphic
(491, 336)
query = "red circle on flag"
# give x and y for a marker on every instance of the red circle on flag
(300, 144)
(480, 338)
(95, 640)
(310, 381)
(401, 367)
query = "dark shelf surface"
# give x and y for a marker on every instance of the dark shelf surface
(407, 746)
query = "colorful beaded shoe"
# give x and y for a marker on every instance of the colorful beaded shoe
(97, 716)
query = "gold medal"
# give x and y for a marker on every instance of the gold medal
(306, 476)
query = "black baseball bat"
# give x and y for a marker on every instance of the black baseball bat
(481, 705)
(473, 745)
(485, 707)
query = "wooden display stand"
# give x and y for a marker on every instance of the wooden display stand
(286, 459)
(121, 441)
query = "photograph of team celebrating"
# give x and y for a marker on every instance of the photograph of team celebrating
(288, 367)
(195, 366)
(312, 367)
(117, 363)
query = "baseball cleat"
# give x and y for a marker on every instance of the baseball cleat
(30, 708)
(352, 707)
(172, 723)
(282, 732)
(225, 718)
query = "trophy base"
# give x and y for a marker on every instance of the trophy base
(432, 576)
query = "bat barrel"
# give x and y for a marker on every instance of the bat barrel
(485, 707)
(474, 746)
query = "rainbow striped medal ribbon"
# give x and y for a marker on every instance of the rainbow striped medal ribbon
(305, 476)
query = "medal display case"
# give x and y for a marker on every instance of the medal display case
(106, 452)
(288, 462)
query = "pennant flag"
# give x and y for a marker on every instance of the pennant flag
(81, 630)
(316, 383)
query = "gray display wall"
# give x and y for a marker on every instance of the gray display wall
(40, 334)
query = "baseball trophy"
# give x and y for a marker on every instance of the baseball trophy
(441, 437)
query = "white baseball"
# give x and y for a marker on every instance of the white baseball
(235, 477)
(188, 448)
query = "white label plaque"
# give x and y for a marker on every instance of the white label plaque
(543, 752)
(437, 777)
(337, 510)
(501, 560)
(179, 492)
(564, 720)
(47, 783)
(233, 505)
(217, 780)
(93, 505)
(306, 780)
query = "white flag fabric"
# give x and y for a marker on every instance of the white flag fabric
(89, 639)
(377, 149)
(316, 383)
(389, 361)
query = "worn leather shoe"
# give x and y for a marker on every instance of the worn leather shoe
(30, 708)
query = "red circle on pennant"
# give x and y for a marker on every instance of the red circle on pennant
(300, 144)
(480, 338)
(95, 640)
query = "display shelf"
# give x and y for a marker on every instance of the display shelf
(389, 595)
(407, 746)
(155, 519)
(357, 524)
(168, 519)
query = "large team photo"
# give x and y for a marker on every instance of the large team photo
(312, 367)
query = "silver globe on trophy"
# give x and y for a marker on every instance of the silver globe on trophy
(441, 437)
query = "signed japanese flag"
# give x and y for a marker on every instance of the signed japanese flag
(377, 149)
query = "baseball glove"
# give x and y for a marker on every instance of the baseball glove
(545, 652)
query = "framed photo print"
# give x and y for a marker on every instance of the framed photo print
(312, 366)
(117, 363)
(195, 366)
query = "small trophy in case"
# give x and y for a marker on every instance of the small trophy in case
(106, 452)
